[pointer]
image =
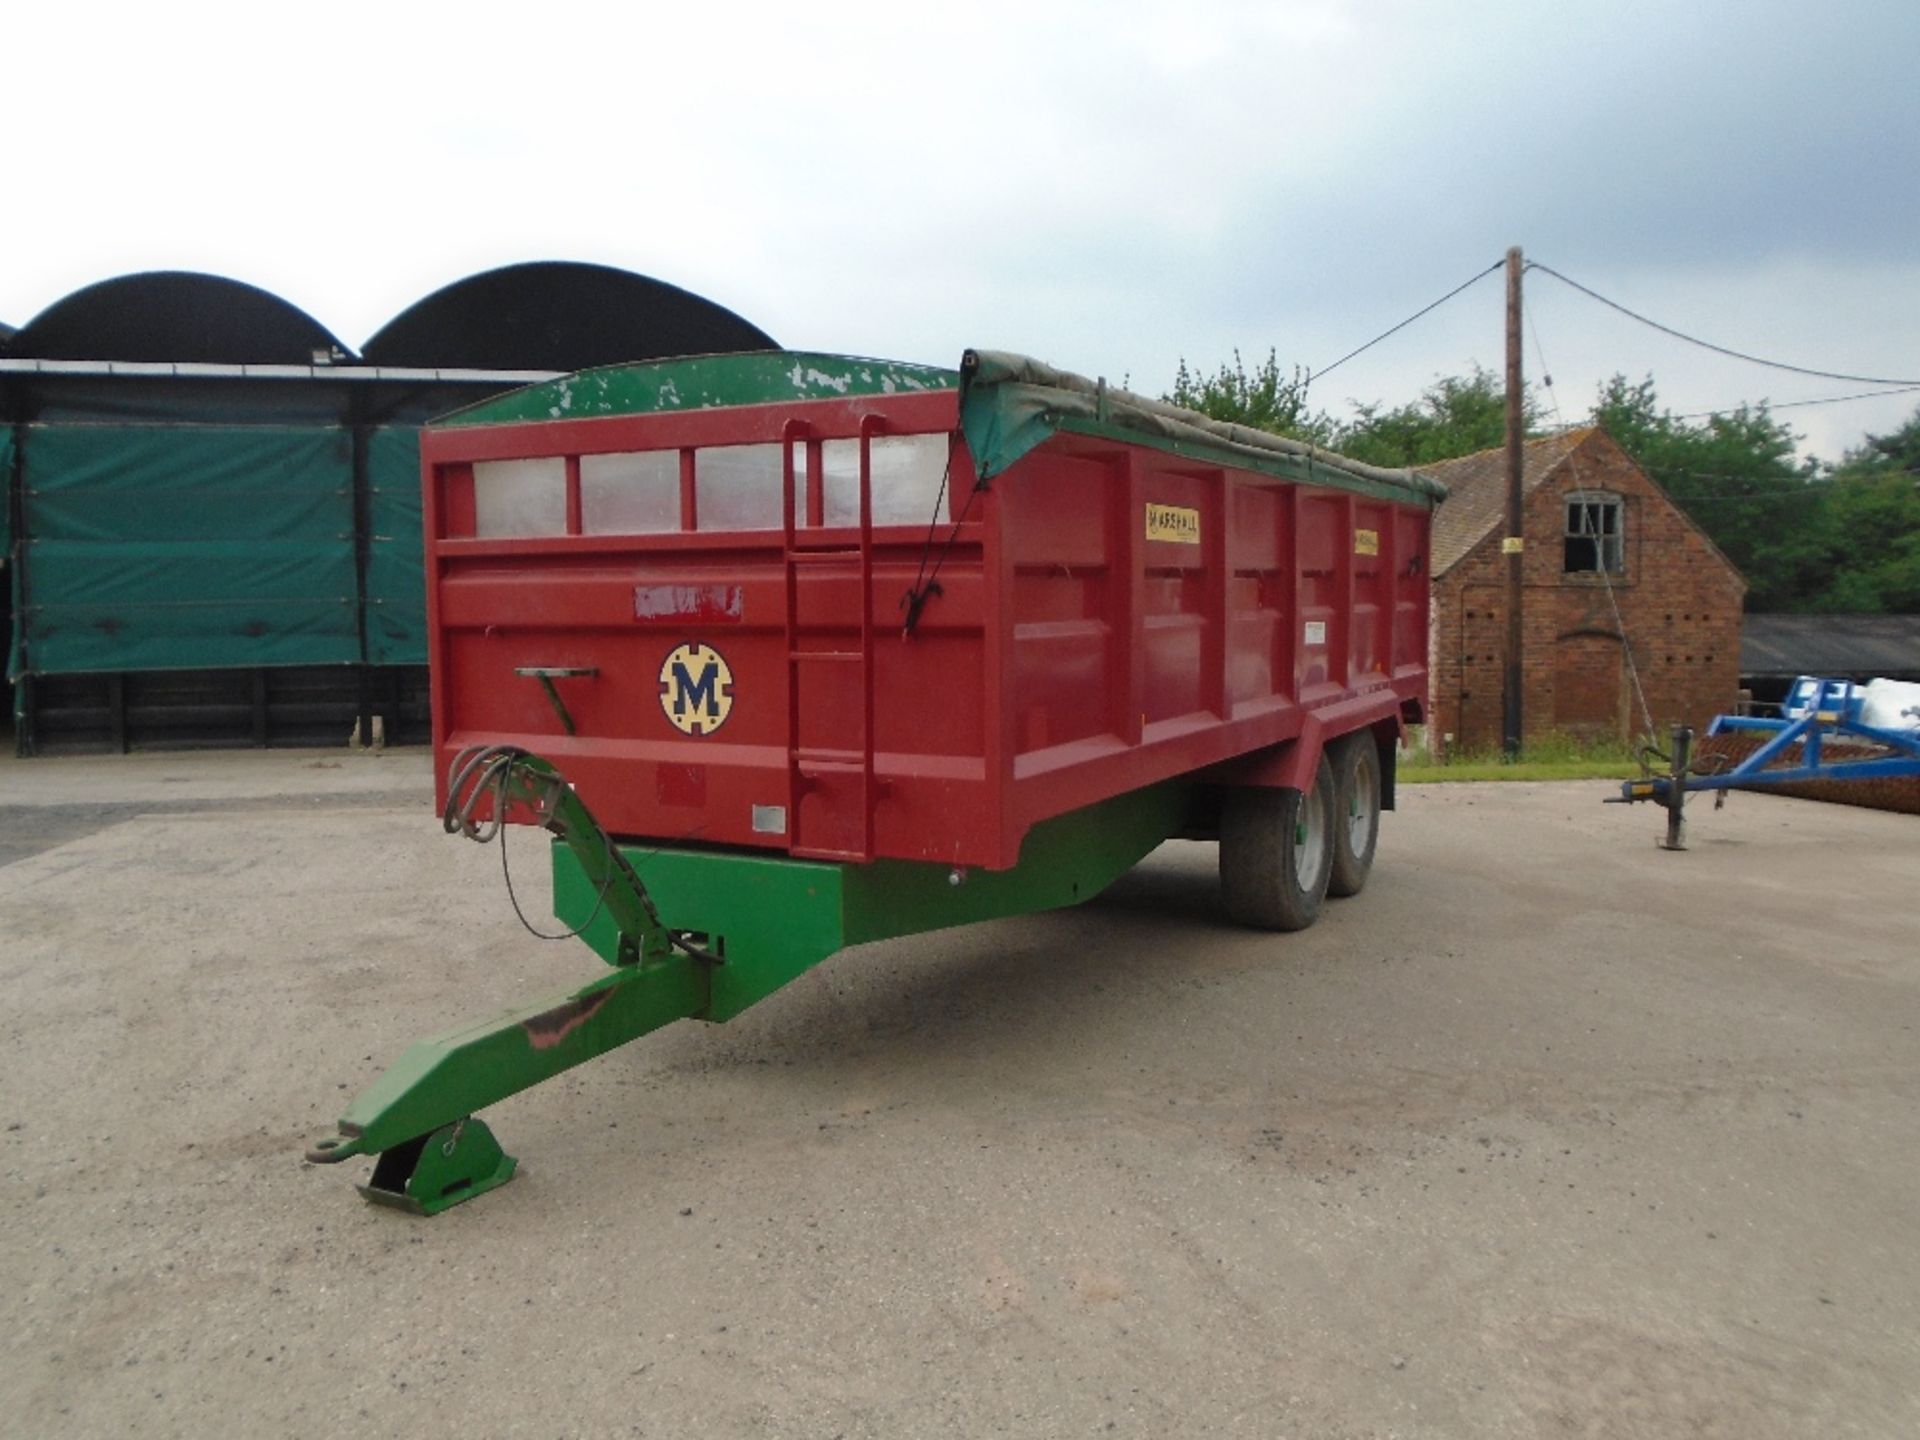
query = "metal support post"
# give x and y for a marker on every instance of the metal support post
(1677, 789)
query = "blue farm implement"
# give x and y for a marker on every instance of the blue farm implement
(1828, 731)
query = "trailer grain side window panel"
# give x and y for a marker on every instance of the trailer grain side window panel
(906, 475)
(631, 493)
(520, 497)
(738, 486)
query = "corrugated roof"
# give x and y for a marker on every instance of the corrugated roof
(1476, 502)
(1860, 646)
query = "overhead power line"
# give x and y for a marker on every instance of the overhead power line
(1684, 498)
(1467, 284)
(1708, 344)
(1797, 404)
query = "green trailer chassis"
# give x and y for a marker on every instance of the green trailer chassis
(705, 935)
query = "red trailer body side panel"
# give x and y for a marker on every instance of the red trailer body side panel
(724, 639)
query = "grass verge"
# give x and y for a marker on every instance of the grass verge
(1553, 757)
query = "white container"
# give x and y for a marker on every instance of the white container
(1890, 705)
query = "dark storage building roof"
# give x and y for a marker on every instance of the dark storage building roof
(1843, 646)
(560, 316)
(175, 316)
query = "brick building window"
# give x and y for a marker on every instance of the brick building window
(1596, 538)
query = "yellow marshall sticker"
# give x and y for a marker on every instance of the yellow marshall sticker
(1173, 522)
(1366, 542)
(696, 689)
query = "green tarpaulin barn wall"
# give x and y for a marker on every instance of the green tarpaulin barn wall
(188, 549)
(167, 547)
(6, 511)
(8, 581)
(396, 586)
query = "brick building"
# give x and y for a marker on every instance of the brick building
(1617, 580)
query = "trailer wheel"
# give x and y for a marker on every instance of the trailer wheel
(1356, 813)
(1276, 852)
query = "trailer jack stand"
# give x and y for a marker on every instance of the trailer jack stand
(418, 1118)
(1682, 761)
(426, 1175)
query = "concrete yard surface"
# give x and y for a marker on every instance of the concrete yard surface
(1548, 1133)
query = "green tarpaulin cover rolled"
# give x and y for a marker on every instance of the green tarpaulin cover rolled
(1009, 404)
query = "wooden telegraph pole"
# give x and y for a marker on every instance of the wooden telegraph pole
(1512, 544)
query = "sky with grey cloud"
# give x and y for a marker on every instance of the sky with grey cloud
(1111, 186)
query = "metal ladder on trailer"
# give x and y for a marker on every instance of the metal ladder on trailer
(808, 767)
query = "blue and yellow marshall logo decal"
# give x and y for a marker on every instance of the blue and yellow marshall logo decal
(696, 689)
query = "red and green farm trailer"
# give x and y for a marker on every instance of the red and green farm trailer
(835, 650)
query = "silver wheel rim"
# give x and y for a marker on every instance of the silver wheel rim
(1310, 849)
(1362, 807)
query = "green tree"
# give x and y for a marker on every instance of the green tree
(1263, 400)
(1738, 476)
(1874, 525)
(1456, 415)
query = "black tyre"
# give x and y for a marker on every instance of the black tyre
(1276, 853)
(1356, 812)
